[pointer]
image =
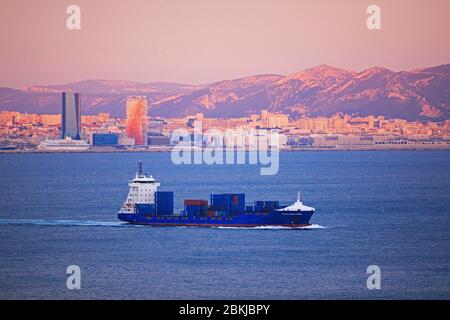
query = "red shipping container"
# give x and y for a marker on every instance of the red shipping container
(195, 202)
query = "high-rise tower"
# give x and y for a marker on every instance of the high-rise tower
(137, 119)
(71, 115)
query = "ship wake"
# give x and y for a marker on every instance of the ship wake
(114, 224)
(68, 223)
(310, 227)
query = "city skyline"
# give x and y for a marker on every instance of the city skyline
(342, 66)
(339, 131)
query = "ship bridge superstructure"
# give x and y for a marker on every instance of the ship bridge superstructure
(142, 191)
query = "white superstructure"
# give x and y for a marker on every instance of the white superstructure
(142, 191)
(297, 206)
(66, 144)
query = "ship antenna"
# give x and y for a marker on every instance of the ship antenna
(298, 196)
(139, 168)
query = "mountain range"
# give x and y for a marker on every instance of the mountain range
(421, 94)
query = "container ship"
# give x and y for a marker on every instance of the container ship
(146, 205)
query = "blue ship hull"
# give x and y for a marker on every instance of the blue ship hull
(251, 219)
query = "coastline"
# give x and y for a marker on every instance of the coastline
(297, 149)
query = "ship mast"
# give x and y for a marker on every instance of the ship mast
(139, 170)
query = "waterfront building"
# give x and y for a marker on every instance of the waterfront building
(126, 142)
(158, 140)
(105, 139)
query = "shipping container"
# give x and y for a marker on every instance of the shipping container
(195, 202)
(259, 205)
(271, 204)
(237, 203)
(232, 203)
(220, 202)
(195, 207)
(222, 213)
(164, 202)
(145, 208)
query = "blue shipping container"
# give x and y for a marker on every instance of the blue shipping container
(271, 204)
(145, 208)
(233, 203)
(220, 202)
(195, 210)
(164, 202)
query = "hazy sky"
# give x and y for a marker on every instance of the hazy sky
(199, 41)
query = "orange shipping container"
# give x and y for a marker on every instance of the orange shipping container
(195, 202)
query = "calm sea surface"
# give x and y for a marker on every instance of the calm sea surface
(390, 209)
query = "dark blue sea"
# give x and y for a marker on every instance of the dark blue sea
(390, 209)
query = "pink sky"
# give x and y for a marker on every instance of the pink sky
(200, 41)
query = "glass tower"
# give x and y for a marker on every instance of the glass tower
(137, 119)
(71, 115)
